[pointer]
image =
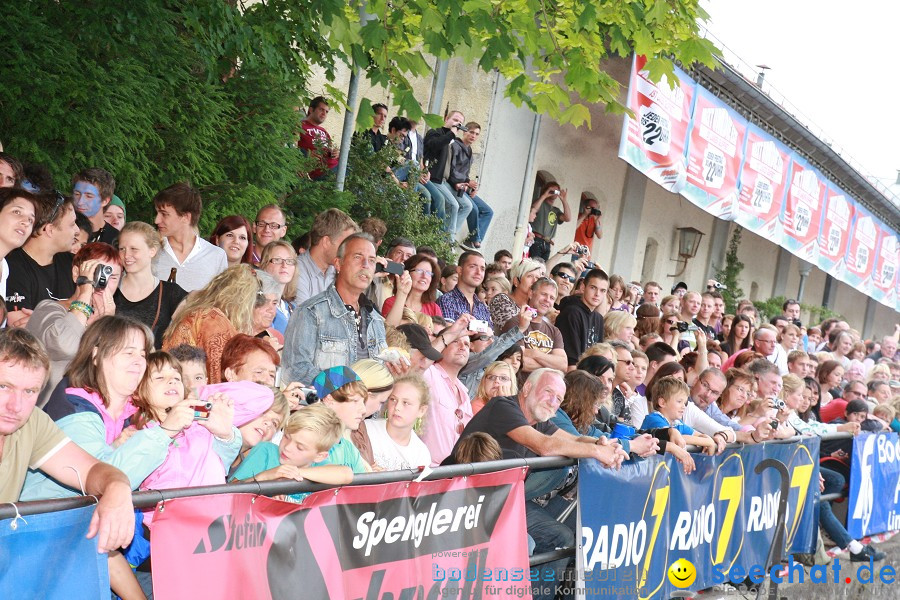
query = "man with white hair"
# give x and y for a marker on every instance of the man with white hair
(521, 425)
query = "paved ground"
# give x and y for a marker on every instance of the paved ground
(855, 590)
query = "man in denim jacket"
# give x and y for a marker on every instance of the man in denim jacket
(340, 325)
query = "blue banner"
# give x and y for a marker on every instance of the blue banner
(874, 473)
(721, 518)
(47, 556)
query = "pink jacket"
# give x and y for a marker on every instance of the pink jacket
(196, 457)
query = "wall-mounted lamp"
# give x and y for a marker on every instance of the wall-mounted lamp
(688, 244)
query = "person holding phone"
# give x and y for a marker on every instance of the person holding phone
(416, 289)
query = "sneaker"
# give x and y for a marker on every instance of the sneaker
(466, 245)
(868, 552)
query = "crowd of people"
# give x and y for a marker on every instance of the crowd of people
(137, 356)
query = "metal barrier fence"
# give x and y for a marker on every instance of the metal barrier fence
(149, 499)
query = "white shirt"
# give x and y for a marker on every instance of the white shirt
(201, 265)
(779, 359)
(390, 455)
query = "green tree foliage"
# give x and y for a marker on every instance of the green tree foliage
(772, 307)
(549, 51)
(730, 274)
(156, 92)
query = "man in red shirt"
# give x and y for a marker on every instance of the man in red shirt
(315, 140)
(588, 226)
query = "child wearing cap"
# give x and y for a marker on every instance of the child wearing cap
(309, 434)
(341, 390)
(114, 213)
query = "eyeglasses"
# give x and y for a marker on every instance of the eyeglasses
(272, 226)
(283, 261)
(428, 274)
(627, 362)
(715, 393)
(566, 276)
(459, 426)
(671, 322)
(500, 378)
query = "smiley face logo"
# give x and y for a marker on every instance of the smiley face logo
(682, 573)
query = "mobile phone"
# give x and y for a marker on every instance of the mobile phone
(278, 377)
(394, 268)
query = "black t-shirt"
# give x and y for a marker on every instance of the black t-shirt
(580, 327)
(29, 282)
(107, 234)
(709, 330)
(498, 417)
(145, 310)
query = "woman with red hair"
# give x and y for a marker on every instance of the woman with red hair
(232, 235)
(59, 325)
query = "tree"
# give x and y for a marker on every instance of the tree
(159, 91)
(729, 275)
(549, 51)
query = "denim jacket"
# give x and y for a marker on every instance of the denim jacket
(322, 334)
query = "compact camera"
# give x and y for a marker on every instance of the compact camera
(201, 411)
(684, 326)
(308, 395)
(596, 212)
(480, 326)
(461, 127)
(717, 285)
(530, 311)
(101, 276)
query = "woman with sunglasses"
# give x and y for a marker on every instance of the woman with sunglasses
(416, 290)
(280, 261)
(668, 328)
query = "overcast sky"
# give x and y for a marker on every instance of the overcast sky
(835, 61)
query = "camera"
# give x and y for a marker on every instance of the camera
(596, 212)
(716, 285)
(101, 276)
(308, 395)
(797, 323)
(480, 326)
(554, 192)
(461, 127)
(777, 403)
(201, 411)
(684, 326)
(530, 311)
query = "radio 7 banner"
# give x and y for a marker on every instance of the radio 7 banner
(722, 516)
(802, 210)
(884, 272)
(763, 184)
(402, 540)
(714, 156)
(47, 556)
(654, 140)
(861, 251)
(874, 475)
(835, 231)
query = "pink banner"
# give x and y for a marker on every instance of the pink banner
(884, 273)
(714, 156)
(861, 251)
(763, 184)
(802, 211)
(835, 231)
(399, 540)
(654, 140)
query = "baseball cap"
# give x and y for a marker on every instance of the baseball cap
(333, 379)
(679, 286)
(418, 339)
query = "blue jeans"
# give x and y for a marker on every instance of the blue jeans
(428, 206)
(549, 534)
(479, 219)
(462, 204)
(541, 483)
(834, 483)
(443, 203)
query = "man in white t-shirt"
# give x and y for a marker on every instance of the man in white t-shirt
(195, 261)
